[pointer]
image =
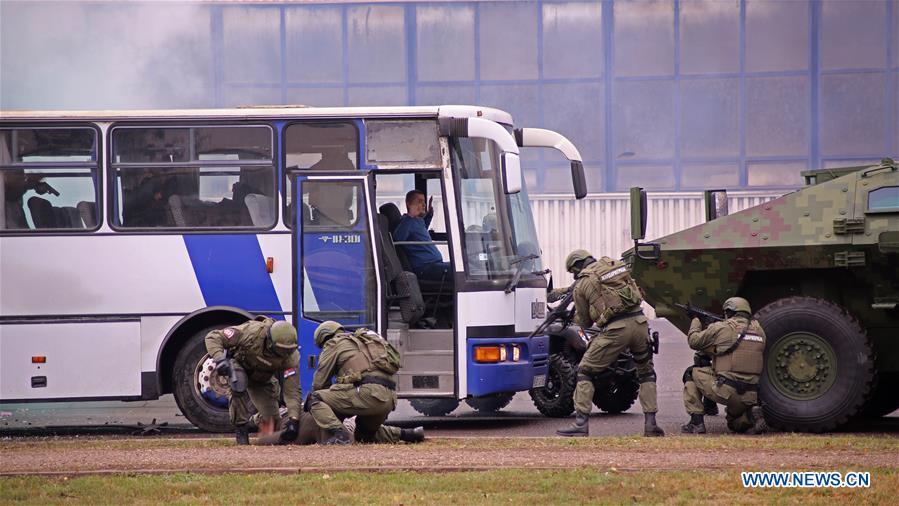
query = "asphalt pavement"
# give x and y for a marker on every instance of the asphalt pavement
(519, 419)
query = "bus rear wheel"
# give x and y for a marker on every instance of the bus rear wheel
(201, 394)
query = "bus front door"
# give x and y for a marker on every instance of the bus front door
(335, 274)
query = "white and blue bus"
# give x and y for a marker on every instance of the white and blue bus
(125, 236)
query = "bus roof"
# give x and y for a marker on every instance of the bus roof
(266, 112)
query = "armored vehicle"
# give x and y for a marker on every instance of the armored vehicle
(820, 267)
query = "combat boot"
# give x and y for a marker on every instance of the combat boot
(650, 429)
(580, 427)
(242, 435)
(696, 425)
(338, 437)
(416, 435)
(710, 406)
(759, 425)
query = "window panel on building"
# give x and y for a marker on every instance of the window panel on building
(853, 114)
(445, 42)
(572, 40)
(377, 95)
(853, 34)
(644, 38)
(314, 51)
(236, 96)
(377, 47)
(252, 47)
(706, 176)
(508, 36)
(643, 115)
(709, 36)
(775, 173)
(557, 179)
(777, 116)
(316, 96)
(650, 177)
(708, 118)
(519, 100)
(576, 111)
(776, 35)
(441, 95)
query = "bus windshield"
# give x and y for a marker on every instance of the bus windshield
(498, 229)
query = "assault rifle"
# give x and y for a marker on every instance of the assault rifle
(694, 312)
(560, 312)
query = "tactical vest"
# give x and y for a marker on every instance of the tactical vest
(749, 354)
(618, 292)
(251, 348)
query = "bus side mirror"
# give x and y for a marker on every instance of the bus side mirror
(579, 179)
(638, 213)
(511, 172)
(715, 204)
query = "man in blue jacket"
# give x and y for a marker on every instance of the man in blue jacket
(426, 260)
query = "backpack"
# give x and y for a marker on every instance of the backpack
(380, 353)
(618, 292)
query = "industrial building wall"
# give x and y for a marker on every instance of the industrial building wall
(601, 223)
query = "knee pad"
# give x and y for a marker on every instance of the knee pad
(239, 385)
(688, 374)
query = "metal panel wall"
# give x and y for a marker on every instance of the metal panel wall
(601, 223)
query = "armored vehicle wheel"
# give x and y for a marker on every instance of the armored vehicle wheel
(618, 395)
(556, 398)
(434, 406)
(885, 399)
(819, 366)
(200, 393)
(489, 403)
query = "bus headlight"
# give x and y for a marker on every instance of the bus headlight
(516, 353)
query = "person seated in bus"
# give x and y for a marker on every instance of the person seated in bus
(334, 158)
(426, 261)
(15, 185)
(148, 204)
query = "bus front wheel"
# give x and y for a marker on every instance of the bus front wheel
(201, 394)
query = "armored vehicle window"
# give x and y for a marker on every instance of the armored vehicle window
(884, 199)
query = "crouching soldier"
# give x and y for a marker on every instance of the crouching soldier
(737, 348)
(255, 356)
(364, 365)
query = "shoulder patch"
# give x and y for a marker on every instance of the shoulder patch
(289, 372)
(230, 333)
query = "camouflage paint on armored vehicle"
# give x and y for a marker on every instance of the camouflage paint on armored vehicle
(820, 267)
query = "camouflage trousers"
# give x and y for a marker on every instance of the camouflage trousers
(264, 395)
(626, 334)
(704, 383)
(369, 403)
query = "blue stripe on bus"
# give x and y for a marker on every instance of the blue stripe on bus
(231, 272)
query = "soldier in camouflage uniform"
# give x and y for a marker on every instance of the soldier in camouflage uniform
(259, 353)
(737, 348)
(607, 296)
(362, 389)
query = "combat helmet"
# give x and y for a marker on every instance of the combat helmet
(737, 305)
(284, 338)
(326, 331)
(574, 257)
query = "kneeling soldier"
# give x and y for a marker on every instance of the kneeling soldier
(259, 352)
(364, 365)
(737, 348)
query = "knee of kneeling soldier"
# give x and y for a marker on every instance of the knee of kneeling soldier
(688, 374)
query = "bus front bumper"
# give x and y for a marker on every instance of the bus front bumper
(522, 364)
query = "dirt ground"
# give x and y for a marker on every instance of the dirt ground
(74, 456)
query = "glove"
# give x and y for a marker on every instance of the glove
(291, 431)
(223, 367)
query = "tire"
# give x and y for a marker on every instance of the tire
(556, 398)
(489, 403)
(618, 395)
(819, 365)
(434, 406)
(884, 400)
(208, 413)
